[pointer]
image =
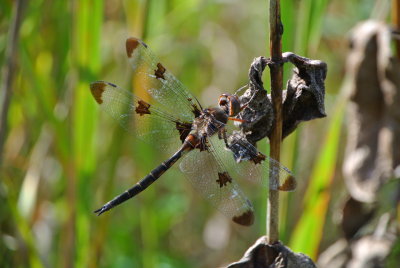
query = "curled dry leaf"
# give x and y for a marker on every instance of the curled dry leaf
(305, 92)
(303, 99)
(355, 215)
(261, 254)
(372, 152)
(365, 251)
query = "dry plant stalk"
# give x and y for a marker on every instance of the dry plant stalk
(396, 22)
(276, 71)
(8, 71)
(275, 116)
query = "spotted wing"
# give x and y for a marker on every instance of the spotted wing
(210, 178)
(257, 167)
(152, 77)
(144, 120)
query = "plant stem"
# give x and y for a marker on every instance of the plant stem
(8, 71)
(276, 71)
(396, 23)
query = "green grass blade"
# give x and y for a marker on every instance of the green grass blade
(88, 17)
(309, 230)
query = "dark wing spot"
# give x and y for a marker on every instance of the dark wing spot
(184, 129)
(196, 111)
(289, 184)
(258, 158)
(246, 219)
(142, 108)
(97, 89)
(159, 73)
(131, 44)
(224, 178)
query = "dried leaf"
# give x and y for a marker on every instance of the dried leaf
(355, 215)
(303, 99)
(261, 254)
(372, 152)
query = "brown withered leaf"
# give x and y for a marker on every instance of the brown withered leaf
(365, 251)
(305, 92)
(262, 254)
(372, 152)
(355, 215)
(258, 114)
(303, 99)
(372, 155)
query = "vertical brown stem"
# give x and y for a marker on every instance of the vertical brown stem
(276, 71)
(396, 22)
(8, 71)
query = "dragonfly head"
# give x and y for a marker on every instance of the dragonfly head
(230, 104)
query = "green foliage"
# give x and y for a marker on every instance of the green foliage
(63, 158)
(308, 233)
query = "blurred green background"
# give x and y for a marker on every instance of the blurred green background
(62, 158)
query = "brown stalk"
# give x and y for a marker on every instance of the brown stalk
(8, 71)
(396, 23)
(276, 71)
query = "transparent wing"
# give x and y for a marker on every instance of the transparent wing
(210, 178)
(152, 77)
(139, 117)
(255, 166)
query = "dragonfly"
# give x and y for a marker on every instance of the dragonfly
(169, 115)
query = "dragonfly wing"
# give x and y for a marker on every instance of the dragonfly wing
(212, 180)
(144, 120)
(257, 167)
(151, 76)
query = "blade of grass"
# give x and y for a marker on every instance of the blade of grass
(308, 232)
(8, 71)
(86, 57)
(307, 41)
(23, 231)
(155, 15)
(289, 146)
(309, 25)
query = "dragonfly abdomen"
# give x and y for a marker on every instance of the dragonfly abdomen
(142, 184)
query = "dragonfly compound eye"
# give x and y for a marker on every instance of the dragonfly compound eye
(223, 99)
(230, 104)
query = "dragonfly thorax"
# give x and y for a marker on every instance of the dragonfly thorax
(216, 115)
(209, 122)
(206, 125)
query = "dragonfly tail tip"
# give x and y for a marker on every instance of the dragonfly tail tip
(100, 211)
